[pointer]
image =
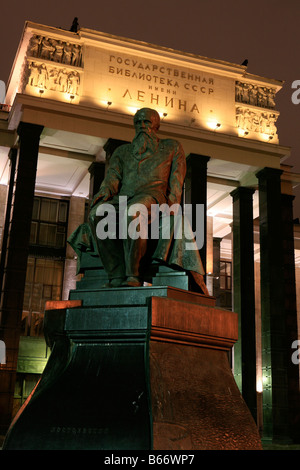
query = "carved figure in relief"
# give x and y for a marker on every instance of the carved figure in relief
(67, 56)
(252, 95)
(62, 80)
(58, 53)
(260, 97)
(238, 92)
(33, 74)
(255, 124)
(55, 50)
(255, 95)
(268, 124)
(73, 83)
(272, 121)
(240, 118)
(53, 78)
(271, 99)
(47, 49)
(245, 94)
(43, 76)
(34, 46)
(249, 120)
(75, 55)
(52, 81)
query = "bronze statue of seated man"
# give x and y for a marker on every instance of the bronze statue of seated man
(146, 174)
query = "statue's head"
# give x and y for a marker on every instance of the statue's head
(146, 117)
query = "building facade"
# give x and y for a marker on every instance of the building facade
(70, 102)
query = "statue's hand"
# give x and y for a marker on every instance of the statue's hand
(103, 195)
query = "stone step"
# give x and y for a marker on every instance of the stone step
(105, 319)
(137, 296)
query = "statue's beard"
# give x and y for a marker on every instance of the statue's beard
(143, 143)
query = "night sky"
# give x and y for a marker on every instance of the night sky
(265, 32)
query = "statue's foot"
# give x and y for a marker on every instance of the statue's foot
(117, 282)
(132, 281)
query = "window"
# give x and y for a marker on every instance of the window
(226, 284)
(43, 282)
(45, 266)
(225, 275)
(23, 387)
(49, 223)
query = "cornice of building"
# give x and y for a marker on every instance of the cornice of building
(148, 50)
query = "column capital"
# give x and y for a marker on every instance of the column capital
(97, 174)
(198, 157)
(242, 191)
(12, 154)
(268, 172)
(111, 145)
(25, 128)
(287, 197)
(95, 166)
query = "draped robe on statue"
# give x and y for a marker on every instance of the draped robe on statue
(155, 177)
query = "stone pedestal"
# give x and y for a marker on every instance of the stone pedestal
(136, 368)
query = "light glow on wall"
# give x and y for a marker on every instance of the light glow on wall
(259, 385)
(267, 137)
(213, 124)
(132, 109)
(242, 132)
(40, 92)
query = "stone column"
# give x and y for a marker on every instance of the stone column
(111, 146)
(290, 302)
(243, 295)
(97, 169)
(76, 218)
(97, 172)
(3, 200)
(16, 262)
(13, 153)
(196, 191)
(274, 350)
(210, 255)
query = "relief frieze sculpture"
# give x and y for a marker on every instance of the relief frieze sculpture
(254, 121)
(53, 78)
(55, 50)
(255, 95)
